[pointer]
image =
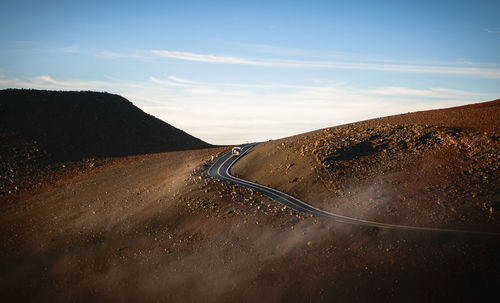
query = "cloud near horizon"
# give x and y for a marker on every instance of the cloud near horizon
(230, 113)
(408, 68)
(491, 31)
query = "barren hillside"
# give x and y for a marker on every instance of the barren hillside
(160, 229)
(157, 228)
(47, 135)
(431, 168)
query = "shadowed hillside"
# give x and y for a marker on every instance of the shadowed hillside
(40, 129)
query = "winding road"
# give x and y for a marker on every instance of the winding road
(221, 167)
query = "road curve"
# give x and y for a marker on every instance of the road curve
(220, 169)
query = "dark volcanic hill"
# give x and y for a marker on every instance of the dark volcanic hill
(39, 129)
(75, 125)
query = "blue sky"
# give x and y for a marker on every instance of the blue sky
(230, 72)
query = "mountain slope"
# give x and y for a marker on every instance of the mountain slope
(43, 130)
(433, 168)
(159, 229)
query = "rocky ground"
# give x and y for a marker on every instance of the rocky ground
(421, 173)
(26, 169)
(158, 228)
(47, 137)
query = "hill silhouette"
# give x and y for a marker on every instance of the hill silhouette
(43, 128)
(75, 125)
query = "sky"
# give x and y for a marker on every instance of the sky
(230, 72)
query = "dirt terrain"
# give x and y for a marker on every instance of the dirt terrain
(156, 227)
(47, 137)
(435, 168)
(160, 229)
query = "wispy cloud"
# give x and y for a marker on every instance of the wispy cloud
(323, 90)
(330, 60)
(491, 31)
(180, 80)
(102, 53)
(436, 93)
(168, 82)
(71, 49)
(204, 58)
(307, 53)
(408, 68)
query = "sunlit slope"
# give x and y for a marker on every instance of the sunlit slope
(430, 168)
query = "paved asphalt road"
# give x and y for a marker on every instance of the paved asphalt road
(220, 169)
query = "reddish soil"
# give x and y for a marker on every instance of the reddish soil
(437, 168)
(160, 229)
(157, 228)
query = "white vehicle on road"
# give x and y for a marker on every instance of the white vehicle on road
(236, 151)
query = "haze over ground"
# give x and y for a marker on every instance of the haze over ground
(230, 72)
(157, 227)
